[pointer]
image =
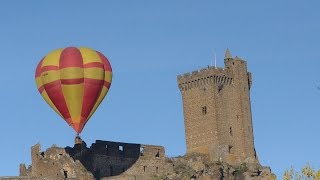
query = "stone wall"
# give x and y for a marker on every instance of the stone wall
(217, 111)
(106, 158)
(102, 159)
(54, 163)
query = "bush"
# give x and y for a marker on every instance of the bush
(240, 170)
(306, 173)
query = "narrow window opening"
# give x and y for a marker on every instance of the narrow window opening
(141, 151)
(144, 168)
(230, 149)
(111, 170)
(230, 131)
(220, 86)
(65, 173)
(158, 154)
(121, 148)
(157, 169)
(107, 150)
(121, 151)
(204, 110)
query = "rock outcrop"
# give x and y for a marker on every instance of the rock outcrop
(199, 167)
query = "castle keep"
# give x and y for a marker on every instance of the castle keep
(217, 111)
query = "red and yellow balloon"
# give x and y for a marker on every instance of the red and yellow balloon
(74, 81)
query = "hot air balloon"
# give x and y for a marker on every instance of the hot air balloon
(74, 81)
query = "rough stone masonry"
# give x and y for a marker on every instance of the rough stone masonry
(217, 111)
(102, 159)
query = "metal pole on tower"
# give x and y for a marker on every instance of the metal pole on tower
(215, 59)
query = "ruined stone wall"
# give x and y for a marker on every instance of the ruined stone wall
(114, 158)
(54, 163)
(102, 159)
(217, 111)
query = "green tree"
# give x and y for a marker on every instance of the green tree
(306, 173)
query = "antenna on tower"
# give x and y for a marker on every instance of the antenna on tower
(215, 59)
(211, 63)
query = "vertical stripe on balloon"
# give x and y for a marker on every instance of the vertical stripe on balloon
(107, 82)
(71, 74)
(52, 58)
(38, 70)
(92, 89)
(106, 63)
(99, 100)
(52, 85)
(48, 100)
(89, 55)
(38, 77)
(70, 57)
(93, 82)
(55, 93)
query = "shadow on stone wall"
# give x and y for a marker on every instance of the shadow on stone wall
(105, 158)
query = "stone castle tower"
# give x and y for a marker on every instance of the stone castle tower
(217, 111)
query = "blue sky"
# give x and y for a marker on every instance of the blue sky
(148, 44)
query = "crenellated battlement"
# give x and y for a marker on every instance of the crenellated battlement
(127, 150)
(205, 76)
(211, 69)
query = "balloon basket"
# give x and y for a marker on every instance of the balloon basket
(77, 139)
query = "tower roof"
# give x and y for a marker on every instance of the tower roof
(227, 54)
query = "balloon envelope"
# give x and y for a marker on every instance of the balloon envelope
(74, 81)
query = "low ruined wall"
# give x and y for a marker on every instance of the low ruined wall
(102, 159)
